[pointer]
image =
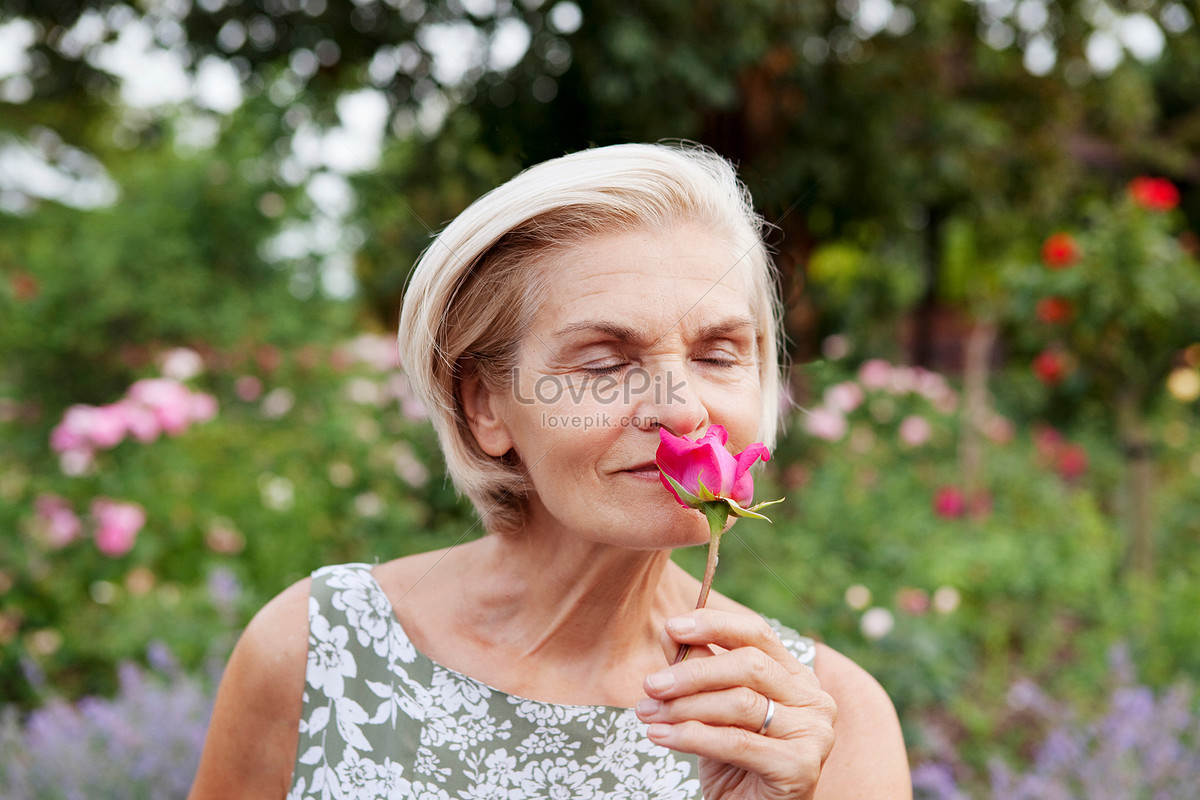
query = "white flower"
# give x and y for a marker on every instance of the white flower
(541, 713)
(500, 767)
(455, 692)
(329, 662)
(426, 791)
(877, 623)
(547, 740)
(946, 599)
(557, 779)
(369, 612)
(667, 780)
(858, 596)
(367, 780)
(471, 731)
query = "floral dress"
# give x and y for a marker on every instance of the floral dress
(381, 720)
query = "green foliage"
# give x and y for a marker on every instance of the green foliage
(175, 260)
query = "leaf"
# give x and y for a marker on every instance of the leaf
(312, 755)
(319, 719)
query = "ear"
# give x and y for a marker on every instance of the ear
(483, 411)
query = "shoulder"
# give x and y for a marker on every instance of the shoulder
(251, 742)
(868, 757)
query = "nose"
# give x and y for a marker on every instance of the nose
(671, 401)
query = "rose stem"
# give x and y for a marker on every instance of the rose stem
(710, 569)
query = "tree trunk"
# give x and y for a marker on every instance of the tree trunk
(976, 405)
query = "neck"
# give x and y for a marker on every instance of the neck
(555, 597)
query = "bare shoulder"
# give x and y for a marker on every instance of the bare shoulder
(868, 759)
(252, 738)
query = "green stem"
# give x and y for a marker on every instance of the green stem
(716, 525)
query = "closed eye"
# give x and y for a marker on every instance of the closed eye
(607, 369)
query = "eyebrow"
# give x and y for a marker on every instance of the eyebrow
(626, 334)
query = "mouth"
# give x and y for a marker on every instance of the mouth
(647, 471)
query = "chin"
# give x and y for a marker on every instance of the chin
(663, 529)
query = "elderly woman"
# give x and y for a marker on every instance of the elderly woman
(552, 329)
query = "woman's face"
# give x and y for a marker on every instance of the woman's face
(637, 330)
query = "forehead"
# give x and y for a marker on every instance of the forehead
(683, 277)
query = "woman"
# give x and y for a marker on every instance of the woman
(552, 329)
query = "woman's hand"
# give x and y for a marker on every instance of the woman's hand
(714, 704)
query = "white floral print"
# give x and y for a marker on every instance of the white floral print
(382, 722)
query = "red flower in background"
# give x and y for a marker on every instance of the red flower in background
(1072, 462)
(949, 502)
(1154, 194)
(1050, 367)
(1053, 310)
(1060, 251)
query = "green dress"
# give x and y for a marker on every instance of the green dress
(381, 720)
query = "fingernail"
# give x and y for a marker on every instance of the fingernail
(661, 681)
(658, 730)
(648, 706)
(682, 624)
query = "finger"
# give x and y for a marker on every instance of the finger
(740, 706)
(671, 648)
(746, 666)
(791, 767)
(731, 631)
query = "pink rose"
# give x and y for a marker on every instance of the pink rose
(915, 431)
(204, 407)
(56, 520)
(844, 397)
(72, 433)
(141, 421)
(170, 401)
(706, 461)
(108, 427)
(875, 374)
(117, 525)
(825, 423)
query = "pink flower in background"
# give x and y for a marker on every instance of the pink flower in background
(140, 421)
(170, 401)
(902, 380)
(915, 431)
(875, 374)
(73, 432)
(108, 426)
(56, 520)
(949, 502)
(825, 423)
(117, 525)
(204, 407)
(912, 600)
(844, 397)
(248, 388)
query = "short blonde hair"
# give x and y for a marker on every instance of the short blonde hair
(475, 289)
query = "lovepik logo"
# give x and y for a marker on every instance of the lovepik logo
(635, 383)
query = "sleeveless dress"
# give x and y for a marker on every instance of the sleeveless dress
(381, 720)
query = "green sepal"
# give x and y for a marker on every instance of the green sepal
(717, 514)
(706, 500)
(687, 497)
(738, 511)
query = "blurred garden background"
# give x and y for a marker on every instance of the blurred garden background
(985, 218)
